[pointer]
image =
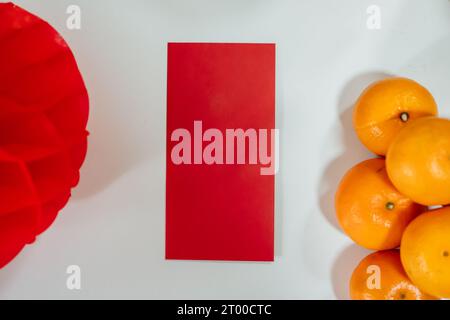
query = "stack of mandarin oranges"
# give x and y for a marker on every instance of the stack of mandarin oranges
(396, 203)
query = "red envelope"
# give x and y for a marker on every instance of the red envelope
(220, 100)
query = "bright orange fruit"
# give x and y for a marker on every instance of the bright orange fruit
(418, 161)
(425, 252)
(369, 208)
(380, 276)
(385, 107)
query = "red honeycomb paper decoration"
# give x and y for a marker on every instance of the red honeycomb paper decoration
(44, 110)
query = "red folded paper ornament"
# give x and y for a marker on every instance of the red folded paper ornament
(44, 110)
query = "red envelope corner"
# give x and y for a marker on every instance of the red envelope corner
(218, 211)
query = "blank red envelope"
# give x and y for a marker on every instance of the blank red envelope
(219, 211)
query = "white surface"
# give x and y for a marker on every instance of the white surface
(114, 225)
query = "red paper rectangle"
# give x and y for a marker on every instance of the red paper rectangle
(219, 211)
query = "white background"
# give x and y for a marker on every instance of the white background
(113, 228)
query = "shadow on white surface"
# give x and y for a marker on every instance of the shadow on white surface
(431, 68)
(343, 267)
(111, 151)
(126, 120)
(353, 150)
(9, 272)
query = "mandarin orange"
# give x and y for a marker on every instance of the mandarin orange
(386, 107)
(380, 276)
(369, 208)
